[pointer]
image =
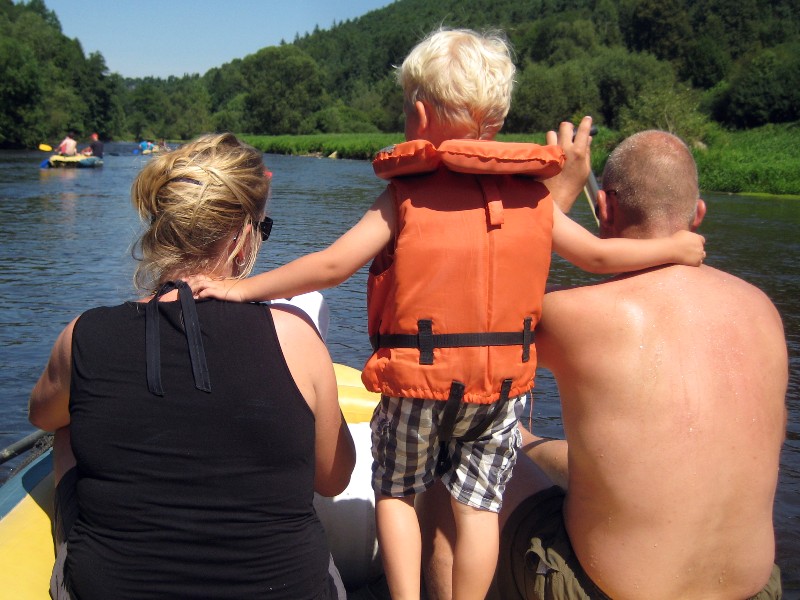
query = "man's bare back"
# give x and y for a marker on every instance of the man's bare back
(672, 385)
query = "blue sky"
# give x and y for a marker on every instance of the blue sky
(138, 38)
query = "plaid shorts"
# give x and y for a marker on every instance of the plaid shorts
(405, 448)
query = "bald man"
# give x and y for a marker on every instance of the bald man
(672, 384)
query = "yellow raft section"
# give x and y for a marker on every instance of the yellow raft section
(78, 161)
(26, 543)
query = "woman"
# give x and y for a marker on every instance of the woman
(193, 470)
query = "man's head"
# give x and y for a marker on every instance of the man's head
(95, 137)
(464, 80)
(650, 188)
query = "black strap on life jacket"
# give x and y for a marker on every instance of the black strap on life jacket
(448, 421)
(191, 324)
(425, 340)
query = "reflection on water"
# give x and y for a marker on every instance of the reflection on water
(66, 236)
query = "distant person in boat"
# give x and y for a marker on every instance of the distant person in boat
(95, 148)
(459, 267)
(68, 146)
(146, 145)
(194, 456)
(673, 384)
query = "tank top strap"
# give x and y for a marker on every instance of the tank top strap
(191, 325)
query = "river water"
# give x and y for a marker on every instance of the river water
(65, 238)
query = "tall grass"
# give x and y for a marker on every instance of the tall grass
(765, 160)
(360, 146)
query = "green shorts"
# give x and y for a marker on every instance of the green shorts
(536, 559)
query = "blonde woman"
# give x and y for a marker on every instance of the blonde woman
(199, 432)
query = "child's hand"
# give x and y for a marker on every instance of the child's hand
(221, 289)
(568, 185)
(689, 248)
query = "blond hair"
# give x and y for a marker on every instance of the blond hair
(192, 200)
(654, 177)
(465, 77)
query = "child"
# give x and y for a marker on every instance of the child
(461, 256)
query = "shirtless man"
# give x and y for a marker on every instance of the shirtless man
(672, 384)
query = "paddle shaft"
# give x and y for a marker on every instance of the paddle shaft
(590, 189)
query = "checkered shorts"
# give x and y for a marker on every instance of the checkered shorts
(405, 448)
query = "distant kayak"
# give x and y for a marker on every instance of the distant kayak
(72, 162)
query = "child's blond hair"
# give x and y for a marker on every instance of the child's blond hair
(464, 76)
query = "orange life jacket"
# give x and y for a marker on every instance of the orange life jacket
(457, 294)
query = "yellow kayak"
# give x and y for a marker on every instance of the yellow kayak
(78, 161)
(26, 510)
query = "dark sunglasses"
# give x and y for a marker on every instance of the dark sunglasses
(265, 227)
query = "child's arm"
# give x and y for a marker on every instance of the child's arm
(575, 142)
(617, 255)
(316, 271)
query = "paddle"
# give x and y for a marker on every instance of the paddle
(590, 189)
(46, 162)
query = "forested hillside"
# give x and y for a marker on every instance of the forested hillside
(689, 66)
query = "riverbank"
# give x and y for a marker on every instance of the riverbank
(755, 161)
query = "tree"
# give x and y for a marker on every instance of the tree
(659, 26)
(20, 93)
(621, 76)
(545, 96)
(764, 89)
(285, 86)
(674, 109)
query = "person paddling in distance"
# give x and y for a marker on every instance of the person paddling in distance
(461, 249)
(196, 453)
(68, 146)
(95, 147)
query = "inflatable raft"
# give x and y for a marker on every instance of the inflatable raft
(26, 510)
(74, 162)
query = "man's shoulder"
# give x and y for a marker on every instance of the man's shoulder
(650, 288)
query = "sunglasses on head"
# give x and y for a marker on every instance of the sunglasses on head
(265, 227)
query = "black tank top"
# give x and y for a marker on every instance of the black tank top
(192, 494)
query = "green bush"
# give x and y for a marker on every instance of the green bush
(764, 89)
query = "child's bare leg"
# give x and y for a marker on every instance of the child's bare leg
(477, 543)
(401, 545)
(438, 541)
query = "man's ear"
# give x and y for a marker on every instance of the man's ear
(699, 215)
(605, 213)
